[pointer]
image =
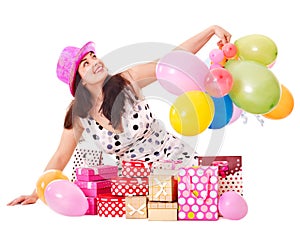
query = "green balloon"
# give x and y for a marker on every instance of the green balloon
(258, 48)
(255, 88)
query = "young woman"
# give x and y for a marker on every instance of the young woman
(112, 112)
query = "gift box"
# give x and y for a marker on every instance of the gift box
(92, 208)
(198, 193)
(162, 188)
(136, 207)
(166, 167)
(230, 172)
(96, 173)
(109, 205)
(124, 186)
(136, 168)
(93, 188)
(162, 211)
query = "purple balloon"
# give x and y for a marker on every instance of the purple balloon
(237, 112)
(66, 198)
(232, 205)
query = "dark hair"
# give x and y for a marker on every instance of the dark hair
(114, 91)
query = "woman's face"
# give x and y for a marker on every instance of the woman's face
(91, 69)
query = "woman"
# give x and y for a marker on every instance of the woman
(111, 111)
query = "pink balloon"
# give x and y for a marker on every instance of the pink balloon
(66, 198)
(219, 82)
(181, 71)
(236, 113)
(216, 55)
(232, 205)
(215, 65)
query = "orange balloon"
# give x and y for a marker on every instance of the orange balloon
(284, 107)
(47, 177)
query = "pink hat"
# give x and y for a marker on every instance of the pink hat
(68, 63)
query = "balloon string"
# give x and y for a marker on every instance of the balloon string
(260, 120)
(244, 117)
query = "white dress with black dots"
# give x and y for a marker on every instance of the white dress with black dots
(143, 138)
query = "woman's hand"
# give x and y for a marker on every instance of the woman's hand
(24, 199)
(224, 35)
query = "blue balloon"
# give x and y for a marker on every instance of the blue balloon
(223, 112)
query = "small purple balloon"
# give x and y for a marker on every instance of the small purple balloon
(232, 205)
(66, 198)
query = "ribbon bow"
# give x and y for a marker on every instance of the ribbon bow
(223, 167)
(162, 188)
(139, 210)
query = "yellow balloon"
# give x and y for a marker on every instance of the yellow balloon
(47, 177)
(192, 113)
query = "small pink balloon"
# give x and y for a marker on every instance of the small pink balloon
(181, 71)
(229, 50)
(236, 113)
(232, 206)
(216, 55)
(219, 82)
(66, 198)
(215, 65)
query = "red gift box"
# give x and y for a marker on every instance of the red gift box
(124, 186)
(93, 188)
(109, 205)
(136, 168)
(96, 173)
(92, 209)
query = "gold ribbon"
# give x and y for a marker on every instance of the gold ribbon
(139, 210)
(162, 188)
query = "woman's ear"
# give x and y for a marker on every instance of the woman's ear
(83, 82)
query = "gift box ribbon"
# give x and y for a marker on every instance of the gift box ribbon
(162, 186)
(223, 167)
(139, 210)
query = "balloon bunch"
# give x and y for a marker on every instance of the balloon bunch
(238, 80)
(60, 194)
(256, 89)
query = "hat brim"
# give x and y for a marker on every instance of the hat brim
(88, 47)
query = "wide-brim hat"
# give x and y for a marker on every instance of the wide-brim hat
(69, 61)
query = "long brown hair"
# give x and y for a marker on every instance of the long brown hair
(114, 92)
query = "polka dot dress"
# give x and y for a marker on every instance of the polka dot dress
(143, 138)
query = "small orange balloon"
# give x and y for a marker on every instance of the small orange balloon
(47, 177)
(284, 107)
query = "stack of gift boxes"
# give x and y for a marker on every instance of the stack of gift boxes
(95, 181)
(163, 191)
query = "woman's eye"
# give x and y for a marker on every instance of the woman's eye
(85, 64)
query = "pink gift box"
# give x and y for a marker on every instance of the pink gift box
(135, 168)
(92, 209)
(93, 188)
(198, 193)
(96, 173)
(124, 186)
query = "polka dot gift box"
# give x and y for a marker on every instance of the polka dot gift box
(198, 193)
(136, 168)
(109, 205)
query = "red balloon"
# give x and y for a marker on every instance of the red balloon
(219, 82)
(229, 50)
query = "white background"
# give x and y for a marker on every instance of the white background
(34, 101)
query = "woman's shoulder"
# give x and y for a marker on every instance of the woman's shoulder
(135, 87)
